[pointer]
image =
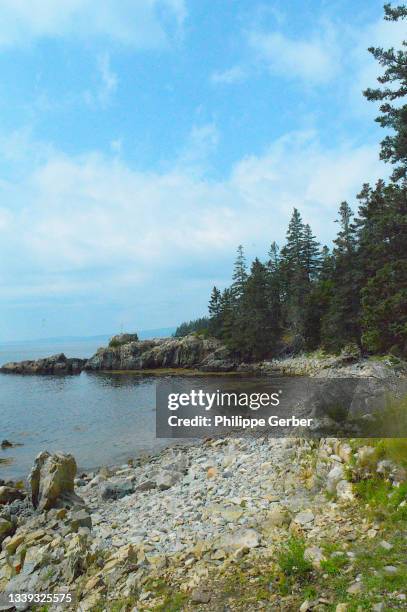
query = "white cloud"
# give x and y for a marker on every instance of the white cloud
(94, 217)
(236, 74)
(139, 23)
(102, 95)
(201, 143)
(313, 60)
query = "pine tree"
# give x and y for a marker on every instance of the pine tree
(327, 265)
(383, 252)
(292, 252)
(311, 254)
(340, 325)
(239, 275)
(227, 319)
(295, 282)
(259, 331)
(214, 309)
(394, 115)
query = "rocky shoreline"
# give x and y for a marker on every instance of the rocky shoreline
(190, 518)
(125, 353)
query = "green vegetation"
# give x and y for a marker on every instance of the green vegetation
(199, 326)
(291, 558)
(304, 297)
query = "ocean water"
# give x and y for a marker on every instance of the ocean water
(102, 419)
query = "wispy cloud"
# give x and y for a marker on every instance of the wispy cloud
(201, 143)
(101, 96)
(236, 74)
(313, 60)
(138, 23)
(95, 215)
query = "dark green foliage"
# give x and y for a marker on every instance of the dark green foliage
(257, 327)
(239, 275)
(340, 324)
(394, 116)
(200, 325)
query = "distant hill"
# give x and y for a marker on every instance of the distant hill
(144, 334)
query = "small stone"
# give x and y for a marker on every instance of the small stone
(304, 518)
(315, 555)
(390, 569)
(386, 545)
(9, 494)
(6, 528)
(354, 588)
(116, 490)
(306, 605)
(165, 479)
(344, 491)
(242, 538)
(277, 517)
(14, 543)
(80, 519)
(212, 472)
(378, 607)
(61, 513)
(147, 485)
(341, 607)
(200, 596)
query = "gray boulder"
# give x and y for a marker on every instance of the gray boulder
(165, 479)
(116, 489)
(52, 481)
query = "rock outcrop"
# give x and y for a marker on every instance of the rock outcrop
(56, 364)
(52, 481)
(188, 352)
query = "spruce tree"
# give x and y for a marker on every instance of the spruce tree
(214, 309)
(239, 277)
(259, 331)
(311, 254)
(394, 112)
(383, 251)
(340, 325)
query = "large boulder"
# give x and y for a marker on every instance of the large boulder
(52, 481)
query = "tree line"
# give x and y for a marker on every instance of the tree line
(302, 296)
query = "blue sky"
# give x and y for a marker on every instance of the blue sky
(141, 141)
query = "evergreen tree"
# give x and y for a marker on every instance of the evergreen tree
(239, 275)
(214, 309)
(259, 330)
(327, 265)
(394, 115)
(292, 252)
(311, 254)
(383, 251)
(340, 325)
(227, 319)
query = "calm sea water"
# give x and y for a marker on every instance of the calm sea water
(101, 418)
